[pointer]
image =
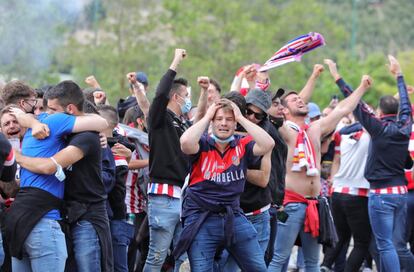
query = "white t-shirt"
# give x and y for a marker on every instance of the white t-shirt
(353, 149)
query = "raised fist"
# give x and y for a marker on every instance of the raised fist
(394, 66)
(131, 78)
(180, 54)
(91, 81)
(366, 82)
(99, 97)
(317, 70)
(251, 72)
(410, 89)
(204, 82)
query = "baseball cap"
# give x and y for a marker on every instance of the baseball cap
(279, 93)
(259, 98)
(314, 110)
(142, 78)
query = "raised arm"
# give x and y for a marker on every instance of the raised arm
(307, 90)
(264, 142)
(404, 113)
(139, 92)
(344, 107)
(158, 107)
(204, 83)
(362, 112)
(92, 82)
(99, 96)
(237, 81)
(190, 139)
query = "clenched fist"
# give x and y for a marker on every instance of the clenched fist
(204, 82)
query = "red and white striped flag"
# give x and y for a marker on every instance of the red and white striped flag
(294, 50)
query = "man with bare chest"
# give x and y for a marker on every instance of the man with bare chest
(303, 177)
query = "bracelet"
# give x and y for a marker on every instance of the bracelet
(58, 166)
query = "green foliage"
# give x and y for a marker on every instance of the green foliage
(111, 38)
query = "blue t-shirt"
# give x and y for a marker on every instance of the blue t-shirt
(60, 125)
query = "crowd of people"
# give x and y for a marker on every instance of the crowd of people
(232, 184)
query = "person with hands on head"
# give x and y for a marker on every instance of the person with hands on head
(211, 201)
(390, 133)
(167, 163)
(303, 174)
(256, 201)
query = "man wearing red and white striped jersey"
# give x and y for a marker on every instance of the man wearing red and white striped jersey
(350, 196)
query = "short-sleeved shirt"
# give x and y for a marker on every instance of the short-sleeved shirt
(60, 125)
(84, 178)
(353, 149)
(218, 178)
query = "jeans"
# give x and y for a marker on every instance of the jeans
(1, 250)
(388, 214)
(245, 247)
(261, 224)
(122, 233)
(410, 220)
(286, 236)
(86, 247)
(44, 249)
(165, 226)
(351, 218)
(272, 235)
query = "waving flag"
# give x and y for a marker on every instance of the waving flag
(294, 50)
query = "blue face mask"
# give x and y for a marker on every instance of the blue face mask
(186, 107)
(222, 141)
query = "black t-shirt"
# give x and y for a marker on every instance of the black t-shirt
(7, 161)
(84, 179)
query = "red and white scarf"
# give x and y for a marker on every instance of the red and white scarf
(304, 154)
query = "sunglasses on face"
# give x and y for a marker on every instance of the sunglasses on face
(258, 116)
